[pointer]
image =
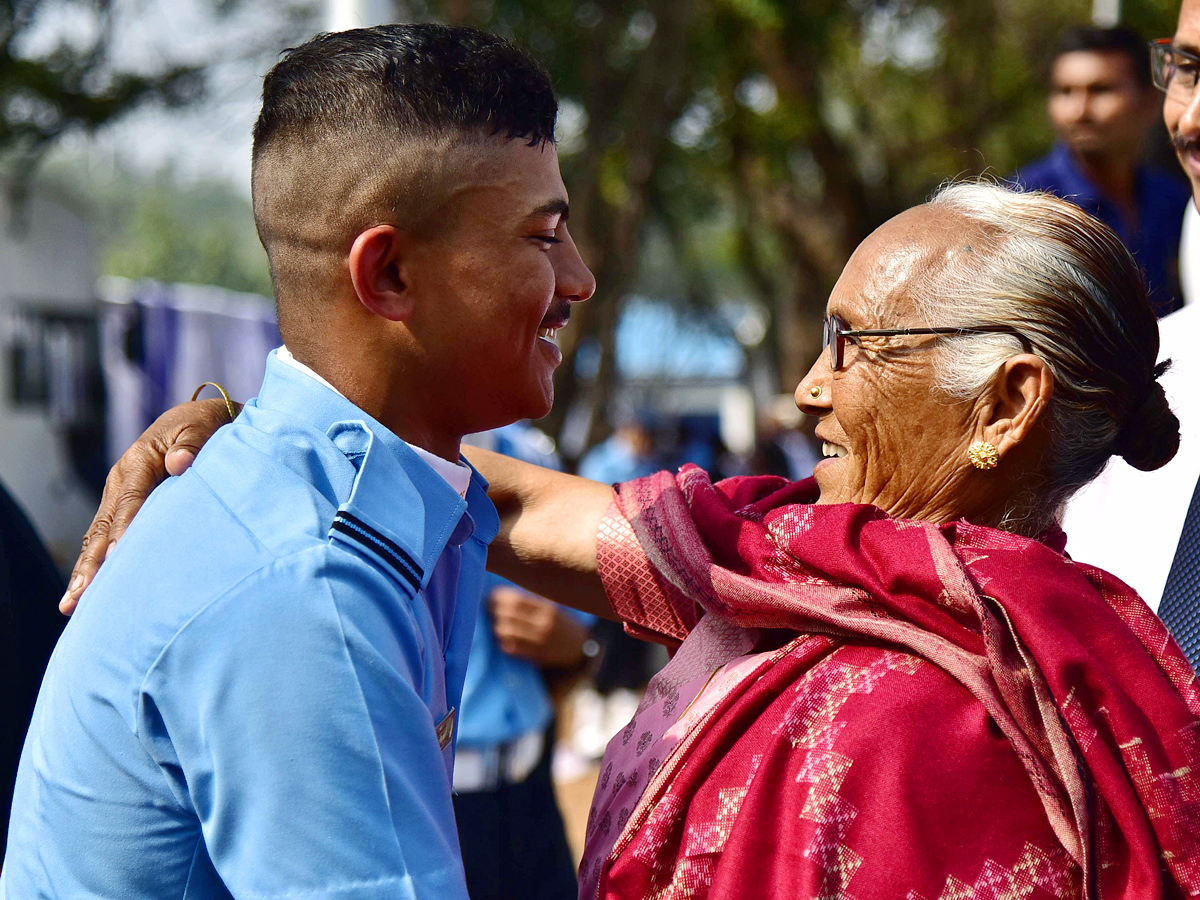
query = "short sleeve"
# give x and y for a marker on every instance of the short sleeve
(291, 715)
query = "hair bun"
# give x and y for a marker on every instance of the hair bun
(1149, 438)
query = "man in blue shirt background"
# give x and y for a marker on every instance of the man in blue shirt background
(513, 840)
(1102, 103)
(257, 697)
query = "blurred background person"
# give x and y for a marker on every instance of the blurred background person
(785, 444)
(30, 586)
(1102, 104)
(628, 452)
(513, 839)
(603, 707)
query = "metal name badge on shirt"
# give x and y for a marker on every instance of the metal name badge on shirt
(445, 729)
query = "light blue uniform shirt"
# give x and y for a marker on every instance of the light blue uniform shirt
(245, 704)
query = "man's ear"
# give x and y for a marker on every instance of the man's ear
(376, 262)
(1022, 392)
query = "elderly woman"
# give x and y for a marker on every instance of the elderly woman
(890, 680)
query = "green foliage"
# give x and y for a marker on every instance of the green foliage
(159, 227)
(72, 85)
(200, 233)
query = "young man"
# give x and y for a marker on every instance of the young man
(258, 698)
(1102, 103)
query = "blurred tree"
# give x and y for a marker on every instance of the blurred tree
(159, 226)
(46, 91)
(199, 233)
(62, 68)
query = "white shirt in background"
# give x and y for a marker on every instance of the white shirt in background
(1128, 522)
(1189, 255)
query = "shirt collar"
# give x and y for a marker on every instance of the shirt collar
(1077, 186)
(457, 475)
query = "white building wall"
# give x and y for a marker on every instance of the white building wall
(46, 262)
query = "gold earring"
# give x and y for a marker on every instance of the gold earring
(814, 391)
(983, 455)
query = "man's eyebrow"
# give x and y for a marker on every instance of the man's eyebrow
(557, 207)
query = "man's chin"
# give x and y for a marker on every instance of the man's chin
(507, 410)
(1189, 160)
(541, 401)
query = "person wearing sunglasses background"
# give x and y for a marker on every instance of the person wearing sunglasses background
(1102, 105)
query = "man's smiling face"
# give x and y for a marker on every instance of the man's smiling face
(496, 281)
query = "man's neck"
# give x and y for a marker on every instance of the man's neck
(1113, 173)
(377, 396)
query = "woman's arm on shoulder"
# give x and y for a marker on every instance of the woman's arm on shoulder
(167, 447)
(548, 520)
(548, 529)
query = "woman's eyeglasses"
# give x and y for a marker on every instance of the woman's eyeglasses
(835, 334)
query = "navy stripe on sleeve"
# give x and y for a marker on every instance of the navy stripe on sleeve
(381, 545)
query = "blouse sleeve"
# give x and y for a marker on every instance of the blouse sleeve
(651, 608)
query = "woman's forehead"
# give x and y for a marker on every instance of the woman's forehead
(898, 263)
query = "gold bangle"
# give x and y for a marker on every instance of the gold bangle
(224, 395)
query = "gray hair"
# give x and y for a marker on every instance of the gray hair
(1072, 291)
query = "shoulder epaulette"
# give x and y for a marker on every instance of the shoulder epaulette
(355, 530)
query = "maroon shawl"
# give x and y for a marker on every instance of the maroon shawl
(949, 712)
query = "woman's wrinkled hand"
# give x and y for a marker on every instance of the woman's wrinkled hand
(167, 447)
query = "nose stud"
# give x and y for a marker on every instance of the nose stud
(814, 391)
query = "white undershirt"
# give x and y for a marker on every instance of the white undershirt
(457, 475)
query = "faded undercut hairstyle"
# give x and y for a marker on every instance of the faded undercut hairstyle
(357, 129)
(1068, 286)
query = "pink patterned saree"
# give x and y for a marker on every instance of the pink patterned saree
(917, 711)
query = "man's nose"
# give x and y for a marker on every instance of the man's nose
(573, 279)
(1188, 126)
(1080, 106)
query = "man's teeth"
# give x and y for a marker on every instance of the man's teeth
(828, 449)
(549, 334)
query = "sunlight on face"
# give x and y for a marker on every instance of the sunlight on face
(899, 443)
(495, 284)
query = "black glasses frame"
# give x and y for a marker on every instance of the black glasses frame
(1159, 51)
(835, 334)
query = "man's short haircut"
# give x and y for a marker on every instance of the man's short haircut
(364, 127)
(1089, 38)
(418, 80)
